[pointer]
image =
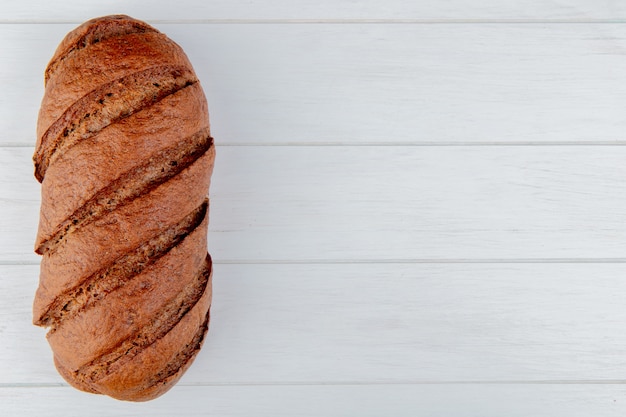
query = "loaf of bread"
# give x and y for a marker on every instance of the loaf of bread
(124, 156)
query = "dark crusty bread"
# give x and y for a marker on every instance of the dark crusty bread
(125, 156)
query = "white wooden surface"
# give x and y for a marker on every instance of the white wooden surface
(350, 84)
(417, 208)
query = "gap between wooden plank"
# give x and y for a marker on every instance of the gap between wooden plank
(334, 21)
(428, 144)
(483, 401)
(388, 144)
(353, 383)
(389, 261)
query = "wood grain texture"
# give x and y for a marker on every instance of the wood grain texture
(381, 84)
(380, 324)
(388, 203)
(75, 10)
(332, 401)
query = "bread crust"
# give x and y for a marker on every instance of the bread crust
(81, 171)
(125, 157)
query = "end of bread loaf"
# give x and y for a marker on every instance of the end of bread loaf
(149, 364)
(94, 31)
(124, 155)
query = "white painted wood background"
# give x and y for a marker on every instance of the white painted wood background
(418, 207)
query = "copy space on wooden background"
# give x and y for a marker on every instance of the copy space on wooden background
(418, 208)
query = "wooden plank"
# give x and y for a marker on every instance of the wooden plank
(379, 324)
(19, 205)
(331, 401)
(73, 10)
(336, 204)
(356, 84)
